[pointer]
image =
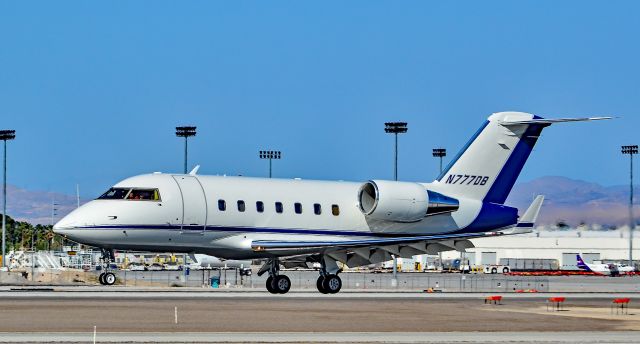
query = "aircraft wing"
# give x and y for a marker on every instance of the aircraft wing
(275, 246)
(355, 253)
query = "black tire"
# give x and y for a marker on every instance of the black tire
(494, 270)
(270, 286)
(101, 278)
(332, 284)
(505, 270)
(282, 284)
(320, 285)
(109, 278)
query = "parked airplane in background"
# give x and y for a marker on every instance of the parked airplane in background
(611, 269)
(296, 222)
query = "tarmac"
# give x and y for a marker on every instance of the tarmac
(192, 315)
(328, 337)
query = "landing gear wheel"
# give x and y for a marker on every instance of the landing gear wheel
(270, 286)
(332, 284)
(109, 278)
(320, 285)
(282, 284)
(101, 278)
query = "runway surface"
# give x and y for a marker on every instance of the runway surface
(314, 337)
(142, 315)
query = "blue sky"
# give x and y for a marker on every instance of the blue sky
(95, 90)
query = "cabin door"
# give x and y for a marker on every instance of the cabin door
(194, 204)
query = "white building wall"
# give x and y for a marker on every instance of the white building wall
(612, 245)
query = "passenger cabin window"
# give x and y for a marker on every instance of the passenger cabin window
(144, 195)
(241, 206)
(279, 207)
(335, 210)
(298, 208)
(222, 205)
(260, 206)
(317, 209)
(115, 193)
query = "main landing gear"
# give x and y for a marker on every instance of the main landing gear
(328, 282)
(276, 283)
(107, 277)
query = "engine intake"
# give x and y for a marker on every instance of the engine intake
(393, 201)
(402, 201)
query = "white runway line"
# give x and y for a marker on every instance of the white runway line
(190, 294)
(328, 337)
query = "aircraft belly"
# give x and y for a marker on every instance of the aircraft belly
(159, 240)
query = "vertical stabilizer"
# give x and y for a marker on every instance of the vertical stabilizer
(489, 164)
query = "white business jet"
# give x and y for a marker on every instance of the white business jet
(296, 222)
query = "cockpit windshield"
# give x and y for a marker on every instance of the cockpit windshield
(115, 193)
(132, 194)
(144, 194)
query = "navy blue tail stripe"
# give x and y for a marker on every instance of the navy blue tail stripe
(511, 170)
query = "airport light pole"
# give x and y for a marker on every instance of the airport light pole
(395, 128)
(271, 155)
(631, 150)
(53, 217)
(5, 135)
(440, 153)
(185, 132)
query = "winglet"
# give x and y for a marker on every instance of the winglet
(528, 220)
(531, 215)
(195, 170)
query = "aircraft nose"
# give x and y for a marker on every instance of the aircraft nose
(66, 224)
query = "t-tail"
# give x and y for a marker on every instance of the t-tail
(488, 165)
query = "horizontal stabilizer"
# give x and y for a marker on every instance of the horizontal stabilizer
(549, 121)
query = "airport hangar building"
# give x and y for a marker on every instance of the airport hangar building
(562, 245)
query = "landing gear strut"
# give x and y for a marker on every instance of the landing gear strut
(107, 277)
(276, 283)
(328, 283)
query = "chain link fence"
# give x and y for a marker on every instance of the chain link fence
(232, 278)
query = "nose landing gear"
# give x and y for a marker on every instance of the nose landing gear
(107, 277)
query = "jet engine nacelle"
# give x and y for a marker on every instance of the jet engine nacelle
(393, 201)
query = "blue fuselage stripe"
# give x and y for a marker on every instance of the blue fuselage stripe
(327, 232)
